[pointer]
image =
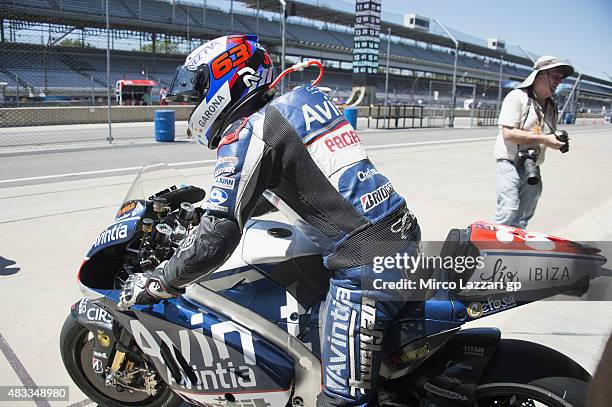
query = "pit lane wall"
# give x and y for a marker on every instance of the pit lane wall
(48, 116)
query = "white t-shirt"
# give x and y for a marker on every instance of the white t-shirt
(512, 114)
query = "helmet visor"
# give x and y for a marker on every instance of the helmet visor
(189, 84)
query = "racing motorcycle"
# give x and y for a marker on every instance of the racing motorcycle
(249, 334)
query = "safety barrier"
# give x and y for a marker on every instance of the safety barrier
(47, 116)
(486, 117)
(404, 117)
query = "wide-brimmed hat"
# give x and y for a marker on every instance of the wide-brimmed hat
(544, 63)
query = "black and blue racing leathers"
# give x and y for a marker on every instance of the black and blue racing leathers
(301, 149)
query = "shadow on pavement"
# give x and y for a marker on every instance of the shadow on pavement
(6, 267)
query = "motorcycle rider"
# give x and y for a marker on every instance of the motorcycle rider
(300, 149)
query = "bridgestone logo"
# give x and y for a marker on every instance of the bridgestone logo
(371, 200)
(211, 110)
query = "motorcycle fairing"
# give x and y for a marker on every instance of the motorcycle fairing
(452, 373)
(408, 357)
(307, 368)
(198, 351)
(255, 291)
(118, 232)
(100, 323)
(255, 399)
(420, 319)
(265, 288)
(542, 264)
(130, 209)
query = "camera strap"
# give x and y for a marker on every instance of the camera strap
(540, 114)
(525, 115)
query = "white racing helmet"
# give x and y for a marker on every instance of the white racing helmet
(229, 78)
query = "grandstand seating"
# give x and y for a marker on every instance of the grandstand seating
(69, 67)
(161, 12)
(64, 67)
(8, 79)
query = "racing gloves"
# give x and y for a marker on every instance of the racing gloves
(144, 289)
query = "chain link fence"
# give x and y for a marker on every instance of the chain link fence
(54, 84)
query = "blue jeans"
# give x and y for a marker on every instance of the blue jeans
(516, 199)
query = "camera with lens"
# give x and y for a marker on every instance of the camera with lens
(527, 159)
(562, 136)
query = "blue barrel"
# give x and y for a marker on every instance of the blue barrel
(569, 118)
(164, 125)
(351, 116)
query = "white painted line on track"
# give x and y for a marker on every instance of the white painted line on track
(589, 131)
(76, 174)
(428, 143)
(375, 147)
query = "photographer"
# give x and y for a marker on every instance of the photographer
(527, 125)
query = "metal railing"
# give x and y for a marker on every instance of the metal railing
(407, 116)
(396, 117)
(486, 117)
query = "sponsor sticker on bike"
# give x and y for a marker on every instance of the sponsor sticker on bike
(479, 309)
(96, 365)
(113, 233)
(412, 355)
(99, 315)
(438, 391)
(473, 350)
(453, 364)
(100, 355)
(210, 359)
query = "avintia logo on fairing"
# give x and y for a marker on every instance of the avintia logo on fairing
(119, 231)
(371, 200)
(213, 370)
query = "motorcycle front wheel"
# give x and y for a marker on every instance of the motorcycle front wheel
(76, 348)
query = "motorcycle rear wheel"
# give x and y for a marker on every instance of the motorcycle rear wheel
(533, 395)
(76, 348)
